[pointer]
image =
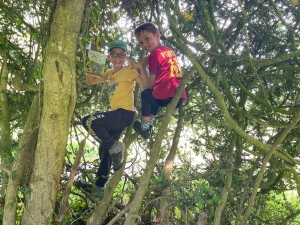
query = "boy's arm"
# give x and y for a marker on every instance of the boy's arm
(152, 79)
(92, 78)
(142, 80)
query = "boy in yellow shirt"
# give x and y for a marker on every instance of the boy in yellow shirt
(108, 126)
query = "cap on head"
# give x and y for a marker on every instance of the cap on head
(117, 44)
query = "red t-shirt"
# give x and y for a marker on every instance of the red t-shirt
(163, 63)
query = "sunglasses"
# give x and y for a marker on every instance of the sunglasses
(115, 55)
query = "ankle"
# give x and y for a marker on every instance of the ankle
(114, 145)
(99, 189)
(145, 125)
(152, 118)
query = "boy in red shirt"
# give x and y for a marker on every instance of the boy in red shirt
(165, 76)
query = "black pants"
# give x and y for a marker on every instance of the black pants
(107, 127)
(102, 174)
(151, 105)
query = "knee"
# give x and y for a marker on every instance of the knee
(101, 151)
(180, 103)
(146, 93)
(84, 120)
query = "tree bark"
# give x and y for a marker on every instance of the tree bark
(103, 207)
(227, 182)
(142, 189)
(264, 165)
(5, 133)
(22, 166)
(59, 102)
(165, 203)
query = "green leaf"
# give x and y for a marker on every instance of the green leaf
(27, 192)
(19, 22)
(14, 175)
(294, 2)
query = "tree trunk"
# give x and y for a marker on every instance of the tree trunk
(142, 189)
(104, 206)
(227, 184)
(23, 163)
(5, 136)
(165, 203)
(59, 101)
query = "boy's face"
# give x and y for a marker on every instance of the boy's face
(148, 40)
(118, 57)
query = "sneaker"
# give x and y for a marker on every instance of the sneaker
(144, 133)
(117, 155)
(90, 190)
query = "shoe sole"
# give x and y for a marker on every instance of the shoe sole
(139, 130)
(82, 185)
(122, 159)
(92, 197)
(85, 192)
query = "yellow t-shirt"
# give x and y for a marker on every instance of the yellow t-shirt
(120, 88)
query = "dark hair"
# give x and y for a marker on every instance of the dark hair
(149, 27)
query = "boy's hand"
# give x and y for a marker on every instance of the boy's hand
(146, 61)
(90, 73)
(135, 65)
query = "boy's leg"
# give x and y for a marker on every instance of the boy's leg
(105, 161)
(103, 123)
(164, 103)
(85, 121)
(99, 123)
(104, 167)
(93, 190)
(104, 126)
(148, 105)
(102, 175)
(180, 102)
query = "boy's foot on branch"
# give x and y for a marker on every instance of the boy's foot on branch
(144, 133)
(90, 190)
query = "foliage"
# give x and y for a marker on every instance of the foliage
(242, 94)
(279, 207)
